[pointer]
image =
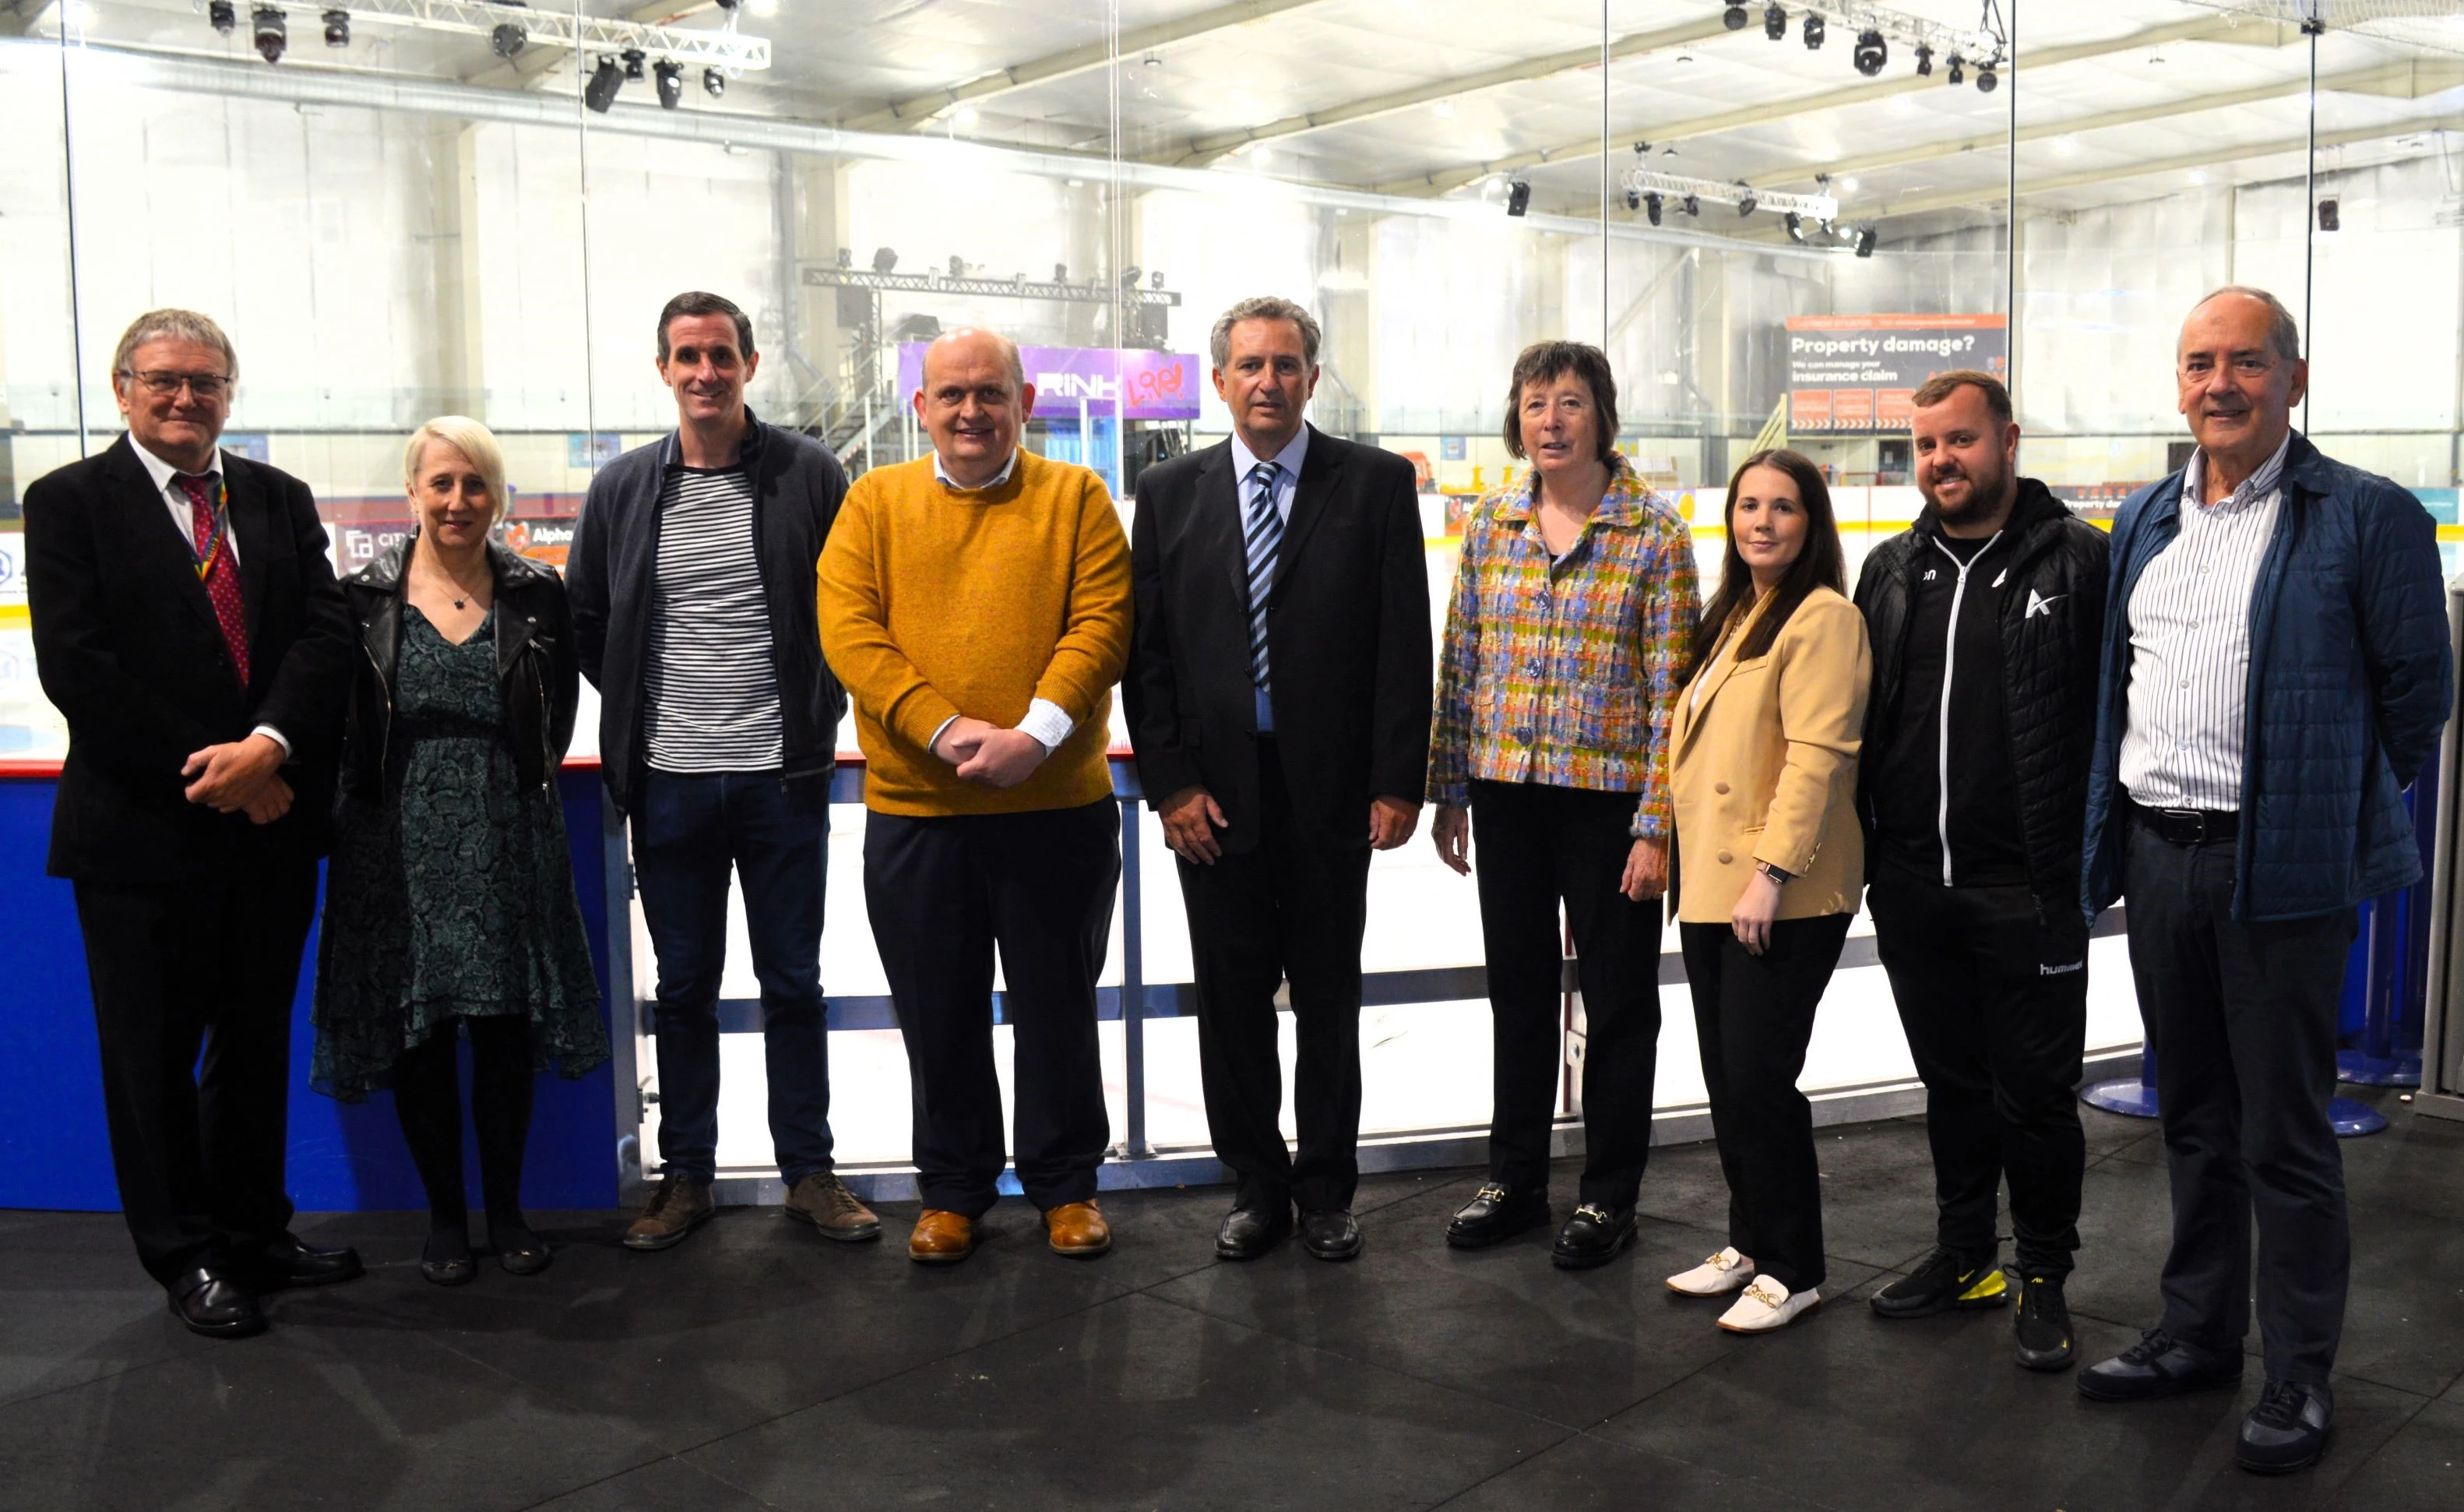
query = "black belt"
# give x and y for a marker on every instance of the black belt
(2189, 825)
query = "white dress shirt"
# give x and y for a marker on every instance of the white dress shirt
(1047, 720)
(184, 516)
(2189, 644)
(1287, 484)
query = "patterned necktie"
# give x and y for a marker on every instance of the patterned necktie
(216, 568)
(1266, 534)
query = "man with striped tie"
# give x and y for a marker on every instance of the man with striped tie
(1278, 698)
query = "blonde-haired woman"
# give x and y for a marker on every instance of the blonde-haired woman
(450, 905)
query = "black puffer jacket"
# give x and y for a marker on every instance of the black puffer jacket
(537, 667)
(2053, 624)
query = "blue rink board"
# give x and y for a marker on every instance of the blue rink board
(55, 1151)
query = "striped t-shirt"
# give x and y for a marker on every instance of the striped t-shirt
(713, 687)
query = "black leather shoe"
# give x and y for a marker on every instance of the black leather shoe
(1495, 1213)
(295, 1262)
(1248, 1233)
(1331, 1234)
(2158, 1364)
(1593, 1236)
(520, 1252)
(445, 1259)
(214, 1307)
(2287, 1430)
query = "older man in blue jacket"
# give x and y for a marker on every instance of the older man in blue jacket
(2276, 671)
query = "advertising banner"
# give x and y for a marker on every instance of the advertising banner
(1147, 385)
(1856, 373)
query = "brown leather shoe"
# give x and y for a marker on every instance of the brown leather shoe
(1078, 1229)
(821, 1200)
(679, 1206)
(941, 1238)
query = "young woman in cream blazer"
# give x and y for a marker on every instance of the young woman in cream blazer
(1770, 863)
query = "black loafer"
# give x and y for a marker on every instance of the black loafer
(295, 1262)
(1331, 1234)
(1593, 1236)
(2287, 1430)
(1497, 1212)
(2159, 1365)
(523, 1253)
(215, 1307)
(1248, 1233)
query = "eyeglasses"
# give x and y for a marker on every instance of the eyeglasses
(164, 385)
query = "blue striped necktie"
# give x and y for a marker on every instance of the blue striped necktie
(1264, 534)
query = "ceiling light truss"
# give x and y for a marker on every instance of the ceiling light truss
(1974, 44)
(1098, 292)
(1716, 192)
(725, 48)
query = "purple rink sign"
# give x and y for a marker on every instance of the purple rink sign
(1127, 382)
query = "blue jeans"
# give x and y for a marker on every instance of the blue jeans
(687, 836)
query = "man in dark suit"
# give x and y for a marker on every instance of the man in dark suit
(188, 626)
(1278, 692)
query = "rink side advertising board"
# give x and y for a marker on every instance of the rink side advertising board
(1856, 374)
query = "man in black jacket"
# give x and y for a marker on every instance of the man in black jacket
(1985, 619)
(692, 577)
(1278, 698)
(188, 626)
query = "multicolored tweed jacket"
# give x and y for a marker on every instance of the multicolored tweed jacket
(1564, 673)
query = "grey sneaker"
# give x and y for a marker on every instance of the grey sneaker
(823, 1200)
(680, 1205)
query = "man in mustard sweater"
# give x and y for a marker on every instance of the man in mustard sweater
(976, 605)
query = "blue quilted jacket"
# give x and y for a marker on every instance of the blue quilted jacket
(2350, 681)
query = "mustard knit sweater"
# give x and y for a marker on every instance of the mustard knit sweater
(938, 601)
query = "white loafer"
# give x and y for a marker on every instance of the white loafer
(1767, 1305)
(1717, 1277)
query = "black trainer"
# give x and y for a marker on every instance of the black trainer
(1495, 1213)
(2043, 1325)
(2287, 1430)
(2158, 1366)
(1593, 1236)
(1946, 1280)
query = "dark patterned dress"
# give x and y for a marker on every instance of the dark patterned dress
(457, 897)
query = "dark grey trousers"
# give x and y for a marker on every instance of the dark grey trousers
(2242, 1018)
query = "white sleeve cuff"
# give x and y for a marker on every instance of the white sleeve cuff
(1049, 723)
(276, 737)
(938, 730)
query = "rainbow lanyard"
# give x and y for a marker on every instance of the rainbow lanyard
(220, 510)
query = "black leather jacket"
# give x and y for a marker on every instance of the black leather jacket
(535, 666)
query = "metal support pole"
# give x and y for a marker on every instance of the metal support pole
(1133, 983)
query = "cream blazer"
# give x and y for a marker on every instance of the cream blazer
(1766, 767)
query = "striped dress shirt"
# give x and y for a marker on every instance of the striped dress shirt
(2189, 644)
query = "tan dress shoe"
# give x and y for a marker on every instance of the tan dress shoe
(1078, 1228)
(941, 1238)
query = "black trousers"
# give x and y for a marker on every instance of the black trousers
(197, 1143)
(1993, 996)
(1540, 846)
(1754, 1015)
(2242, 1018)
(1292, 908)
(943, 893)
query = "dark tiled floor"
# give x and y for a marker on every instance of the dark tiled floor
(759, 1367)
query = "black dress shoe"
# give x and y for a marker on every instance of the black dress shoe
(1331, 1234)
(2158, 1364)
(1248, 1233)
(295, 1262)
(2287, 1430)
(214, 1307)
(520, 1252)
(1497, 1212)
(1593, 1236)
(445, 1259)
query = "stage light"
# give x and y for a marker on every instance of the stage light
(1957, 75)
(1924, 62)
(634, 58)
(847, 257)
(1518, 198)
(1734, 18)
(670, 75)
(1774, 23)
(338, 28)
(1634, 199)
(714, 83)
(223, 15)
(508, 39)
(884, 260)
(1796, 227)
(957, 266)
(1871, 54)
(1813, 31)
(1130, 275)
(265, 22)
(2330, 216)
(1865, 242)
(1061, 273)
(1155, 281)
(1984, 80)
(1651, 207)
(605, 79)
(1690, 205)
(1745, 202)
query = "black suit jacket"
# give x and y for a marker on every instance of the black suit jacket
(1348, 640)
(128, 649)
